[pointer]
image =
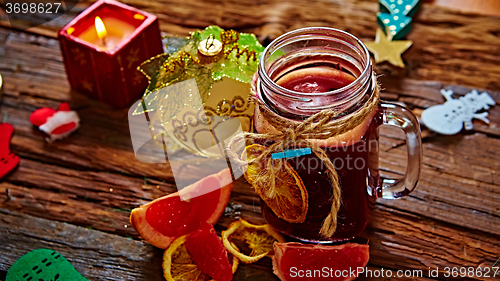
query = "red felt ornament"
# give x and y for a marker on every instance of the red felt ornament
(40, 116)
(57, 124)
(64, 107)
(8, 160)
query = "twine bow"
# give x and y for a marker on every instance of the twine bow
(319, 126)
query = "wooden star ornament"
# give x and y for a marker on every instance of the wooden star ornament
(384, 49)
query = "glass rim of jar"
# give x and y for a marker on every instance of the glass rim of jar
(283, 40)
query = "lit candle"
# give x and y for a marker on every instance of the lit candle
(101, 30)
(102, 48)
(107, 33)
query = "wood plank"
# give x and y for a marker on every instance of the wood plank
(401, 240)
(97, 255)
(466, 186)
(452, 219)
(99, 200)
(408, 238)
(486, 7)
(94, 254)
(103, 146)
(391, 231)
(456, 47)
(92, 199)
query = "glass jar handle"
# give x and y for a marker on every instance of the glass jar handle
(401, 117)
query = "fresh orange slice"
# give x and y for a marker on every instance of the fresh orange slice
(259, 238)
(179, 266)
(290, 201)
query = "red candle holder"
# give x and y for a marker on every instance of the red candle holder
(106, 68)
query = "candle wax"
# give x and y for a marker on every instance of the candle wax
(117, 31)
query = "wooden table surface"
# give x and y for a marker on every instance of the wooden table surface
(75, 195)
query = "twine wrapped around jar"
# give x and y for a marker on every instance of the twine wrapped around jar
(319, 126)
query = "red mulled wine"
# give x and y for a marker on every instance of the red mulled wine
(356, 162)
(309, 70)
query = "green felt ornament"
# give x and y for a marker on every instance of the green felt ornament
(216, 67)
(397, 25)
(239, 60)
(43, 265)
(402, 7)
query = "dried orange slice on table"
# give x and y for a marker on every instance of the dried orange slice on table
(179, 265)
(290, 200)
(259, 238)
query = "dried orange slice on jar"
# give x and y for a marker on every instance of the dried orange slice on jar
(290, 200)
(179, 266)
(259, 239)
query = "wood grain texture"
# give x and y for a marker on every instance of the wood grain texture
(456, 47)
(97, 255)
(485, 7)
(94, 254)
(93, 179)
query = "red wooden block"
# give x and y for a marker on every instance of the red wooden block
(110, 74)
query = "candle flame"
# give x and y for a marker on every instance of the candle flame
(100, 28)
